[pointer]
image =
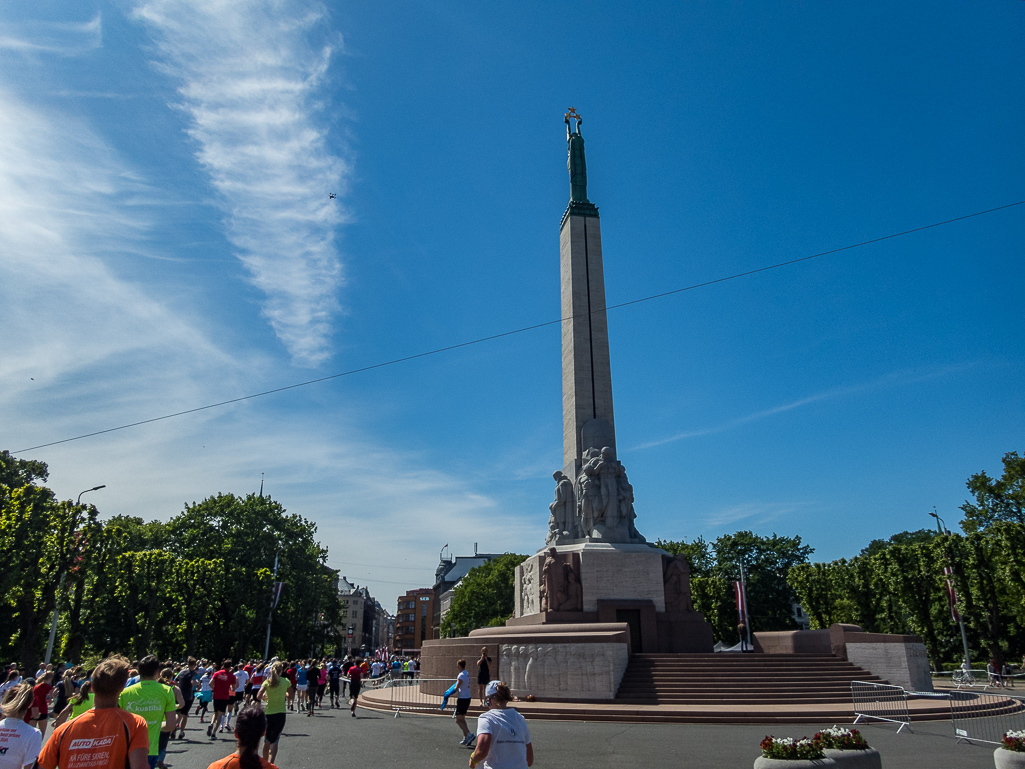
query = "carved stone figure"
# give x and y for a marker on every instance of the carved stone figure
(562, 522)
(677, 585)
(551, 581)
(530, 670)
(572, 594)
(516, 667)
(590, 500)
(608, 471)
(527, 604)
(562, 655)
(505, 664)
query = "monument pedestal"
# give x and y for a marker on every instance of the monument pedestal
(619, 583)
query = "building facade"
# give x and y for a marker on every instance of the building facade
(414, 620)
(365, 624)
(447, 576)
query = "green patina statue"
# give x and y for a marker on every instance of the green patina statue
(575, 163)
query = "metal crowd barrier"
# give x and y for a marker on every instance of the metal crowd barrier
(407, 694)
(984, 717)
(882, 702)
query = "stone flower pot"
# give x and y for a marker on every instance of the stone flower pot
(804, 763)
(856, 759)
(1008, 759)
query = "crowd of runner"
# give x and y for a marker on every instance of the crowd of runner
(113, 704)
(123, 714)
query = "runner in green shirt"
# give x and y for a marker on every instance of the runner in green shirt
(273, 691)
(151, 700)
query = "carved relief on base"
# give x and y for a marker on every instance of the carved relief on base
(564, 671)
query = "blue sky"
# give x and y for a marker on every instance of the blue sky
(167, 240)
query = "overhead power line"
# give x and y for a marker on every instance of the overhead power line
(524, 329)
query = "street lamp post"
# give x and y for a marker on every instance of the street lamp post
(273, 603)
(60, 589)
(942, 529)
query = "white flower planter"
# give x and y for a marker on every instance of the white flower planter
(804, 763)
(1008, 759)
(856, 759)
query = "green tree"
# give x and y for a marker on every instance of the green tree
(716, 565)
(16, 472)
(41, 540)
(484, 597)
(247, 532)
(877, 546)
(1000, 499)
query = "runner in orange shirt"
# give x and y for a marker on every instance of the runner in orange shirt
(250, 726)
(105, 737)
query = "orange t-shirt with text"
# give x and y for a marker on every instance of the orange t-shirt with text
(97, 739)
(232, 762)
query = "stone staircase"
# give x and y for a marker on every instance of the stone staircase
(738, 679)
(720, 689)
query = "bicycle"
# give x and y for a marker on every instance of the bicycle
(962, 677)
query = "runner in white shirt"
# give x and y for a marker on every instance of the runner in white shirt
(463, 697)
(19, 742)
(503, 739)
(241, 679)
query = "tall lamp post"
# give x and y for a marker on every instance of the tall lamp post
(60, 589)
(274, 596)
(942, 529)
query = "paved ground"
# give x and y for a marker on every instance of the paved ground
(334, 740)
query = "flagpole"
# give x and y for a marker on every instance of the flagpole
(948, 572)
(273, 595)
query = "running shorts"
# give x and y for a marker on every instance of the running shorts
(354, 689)
(275, 725)
(463, 705)
(220, 706)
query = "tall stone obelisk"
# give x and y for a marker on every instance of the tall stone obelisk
(587, 419)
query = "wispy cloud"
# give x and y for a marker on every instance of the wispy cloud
(61, 38)
(895, 379)
(250, 77)
(85, 348)
(65, 211)
(752, 512)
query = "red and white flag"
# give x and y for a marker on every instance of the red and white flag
(276, 595)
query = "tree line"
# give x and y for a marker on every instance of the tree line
(199, 583)
(900, 586)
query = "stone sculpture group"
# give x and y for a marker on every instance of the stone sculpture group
(599, 505)
(560, 583)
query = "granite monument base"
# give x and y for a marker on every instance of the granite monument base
(571, 662)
